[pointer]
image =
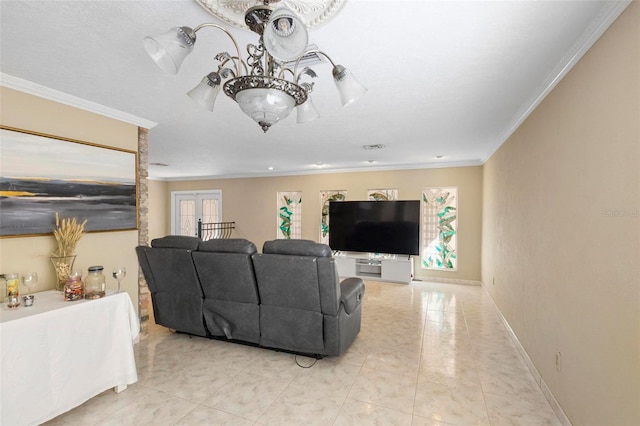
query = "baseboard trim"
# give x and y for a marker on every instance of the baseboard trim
(447, 280)
(553, 402)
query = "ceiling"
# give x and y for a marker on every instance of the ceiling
(448, 79)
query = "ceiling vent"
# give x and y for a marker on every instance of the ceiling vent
(374, 146)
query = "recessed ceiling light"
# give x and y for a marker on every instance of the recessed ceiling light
(270, 168)
(438, 157)
(159, 164)
(371, 161)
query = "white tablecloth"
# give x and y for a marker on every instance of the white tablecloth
(57, 355)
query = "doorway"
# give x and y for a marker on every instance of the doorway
(187, 207)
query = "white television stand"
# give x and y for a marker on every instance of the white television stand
(391, 268)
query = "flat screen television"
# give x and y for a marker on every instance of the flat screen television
(390, 227)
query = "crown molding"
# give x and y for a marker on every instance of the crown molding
(321, 171)
(608, 15)
(35, 89)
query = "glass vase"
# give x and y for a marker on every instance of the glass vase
(62, 265)
(12, 296)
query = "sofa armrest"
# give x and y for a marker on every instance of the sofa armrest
(352, 292)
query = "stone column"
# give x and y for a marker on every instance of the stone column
(144, 297)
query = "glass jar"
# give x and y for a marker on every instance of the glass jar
(94, 283)
(74, 287)
(12, 298)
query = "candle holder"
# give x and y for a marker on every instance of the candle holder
(28, 300)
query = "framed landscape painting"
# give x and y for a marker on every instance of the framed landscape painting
(41, 175)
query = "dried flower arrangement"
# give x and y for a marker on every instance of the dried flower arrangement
(67, 232)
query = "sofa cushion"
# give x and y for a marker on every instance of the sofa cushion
(291, 329)
(177, 241)
(290, 281)
(173, 271)
(179, 311)
(231, 245)
(226, 276)
(175, 289)
(297, 247)
(234, 320)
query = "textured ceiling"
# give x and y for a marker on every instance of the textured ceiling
(445, 78)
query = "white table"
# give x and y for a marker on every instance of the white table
(57, 355)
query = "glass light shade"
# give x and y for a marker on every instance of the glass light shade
(168, 50)
(307, 112)
(285, 35)
(206, 91)
(265, 106)
(350, 89)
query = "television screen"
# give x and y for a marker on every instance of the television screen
(390, 227)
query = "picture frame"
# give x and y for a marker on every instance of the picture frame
(41, 175)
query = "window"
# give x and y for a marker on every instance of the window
(439, 228)
(289, 215)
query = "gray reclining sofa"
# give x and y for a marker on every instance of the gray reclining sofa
(288, 297)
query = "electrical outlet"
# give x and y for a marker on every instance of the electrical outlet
(558, 361)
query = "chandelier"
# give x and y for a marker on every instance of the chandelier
(266, 86)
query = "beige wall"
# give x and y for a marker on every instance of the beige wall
(159, 209)
(252, 204)
(561, 232)
(31, 254)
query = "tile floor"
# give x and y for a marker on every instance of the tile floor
(427, 354)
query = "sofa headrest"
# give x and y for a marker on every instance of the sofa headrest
(230, 245)
(296, 247)
(176, 241)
